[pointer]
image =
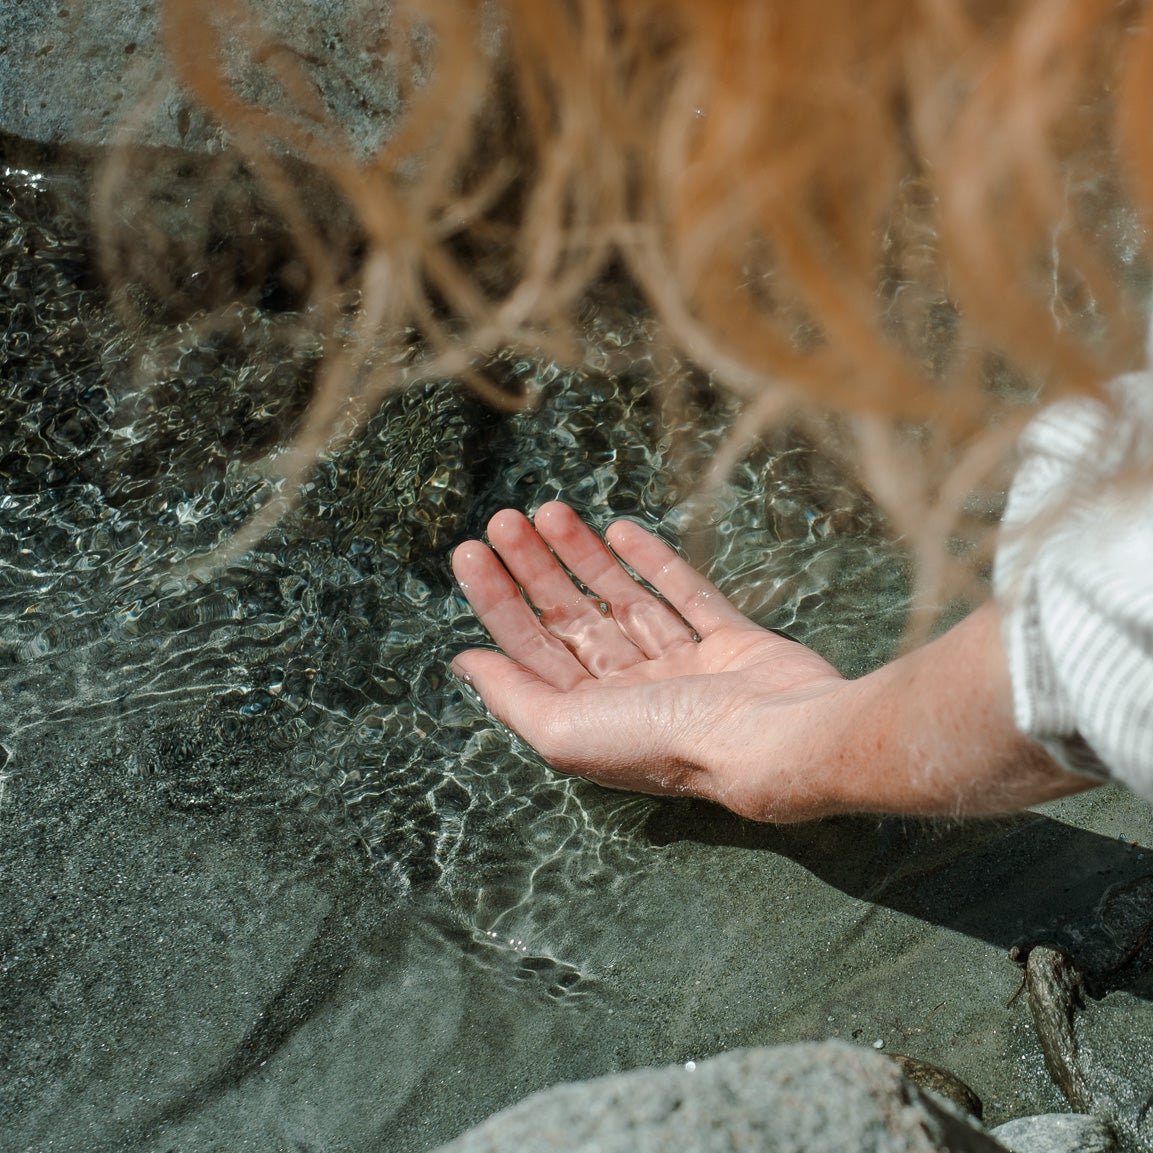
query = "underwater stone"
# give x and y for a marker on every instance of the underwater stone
(76, 74)
(941, 1082)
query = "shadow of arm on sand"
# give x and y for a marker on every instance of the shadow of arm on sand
(1021, 880)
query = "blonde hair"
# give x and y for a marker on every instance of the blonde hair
(911, 216)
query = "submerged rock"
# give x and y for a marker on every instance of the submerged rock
(76, 74)
(1089, 998)
(941, 1082)
(1054, 982)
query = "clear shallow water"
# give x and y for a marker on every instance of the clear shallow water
(273, 881)
(333, 638)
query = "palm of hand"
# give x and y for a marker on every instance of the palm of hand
(601, 685)
(755, 655)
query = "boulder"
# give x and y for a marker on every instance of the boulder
(826, 1097)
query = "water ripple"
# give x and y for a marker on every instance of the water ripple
(124, 453)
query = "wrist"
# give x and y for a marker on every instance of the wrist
(781, 757)
(937, 735)
(929, 734)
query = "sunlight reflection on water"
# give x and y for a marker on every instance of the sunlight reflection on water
(331, 641)
(253, 821)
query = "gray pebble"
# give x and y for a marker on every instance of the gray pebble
(1056, 1133)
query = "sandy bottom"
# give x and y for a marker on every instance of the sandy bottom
(269, 881)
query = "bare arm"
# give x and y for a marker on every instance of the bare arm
(702, 702)
(936, 736)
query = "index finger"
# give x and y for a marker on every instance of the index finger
(698, 600)
(497, 600)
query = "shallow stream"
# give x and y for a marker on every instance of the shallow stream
(269, 880)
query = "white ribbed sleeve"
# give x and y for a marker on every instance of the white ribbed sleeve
(1074, 579)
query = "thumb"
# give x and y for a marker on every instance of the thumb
(617, 738)
(513, 694)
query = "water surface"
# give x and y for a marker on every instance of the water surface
(272, 881)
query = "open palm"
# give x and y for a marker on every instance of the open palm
(616, 683)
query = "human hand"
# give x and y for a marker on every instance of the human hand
(619, 687)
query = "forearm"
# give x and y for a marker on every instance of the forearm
(682, 694)
(932, 733)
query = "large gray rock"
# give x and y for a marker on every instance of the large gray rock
(819, 1098)
(75, 73)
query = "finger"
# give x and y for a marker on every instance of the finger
(647, 621)
(496, 599)
(568, 613)
(515, 695)
(701, 603)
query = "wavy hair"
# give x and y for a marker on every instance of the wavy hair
(897, 223)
